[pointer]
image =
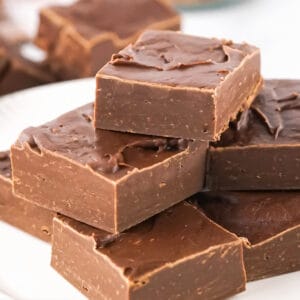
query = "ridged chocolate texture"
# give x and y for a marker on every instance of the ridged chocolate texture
(178, 60)
(111, 153)
(145, 261)
(260, 150)
(176, 85)
(272, 119)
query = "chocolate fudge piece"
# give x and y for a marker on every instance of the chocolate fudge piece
(269, 224)
(24, 215)
(176, 85)
(109, 180)
(178, 254)
(261, 151)
(18, 70)
(90, 31)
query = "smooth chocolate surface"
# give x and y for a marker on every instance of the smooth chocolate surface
(17, 212)
(110, 180)
(176, 254)
(269, 223)
(147, 85)
(92, 30)
(261, 149)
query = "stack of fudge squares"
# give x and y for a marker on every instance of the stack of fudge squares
(179, 182)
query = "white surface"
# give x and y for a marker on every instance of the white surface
(273, 25)
(25, 273)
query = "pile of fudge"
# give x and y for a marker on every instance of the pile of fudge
(180, 181)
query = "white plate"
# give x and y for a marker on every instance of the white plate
(24, 261)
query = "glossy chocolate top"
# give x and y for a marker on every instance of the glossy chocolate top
(273, 117)
(256, 216)
(177, 233)
(176, 59)
(125, 18)
(5, 164)
(107, 152)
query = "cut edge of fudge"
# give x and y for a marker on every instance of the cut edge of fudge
(264, 249)
(233, 246)
(269, 250)
(18, 212)
(116, 188)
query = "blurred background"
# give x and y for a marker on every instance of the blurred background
(273, 25)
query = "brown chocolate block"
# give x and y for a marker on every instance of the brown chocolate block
(176, 85)
(268, 222)
(90, 31)
(24, 215)
(178, 254)
(18, 71)
(261, 151)
(107, 179)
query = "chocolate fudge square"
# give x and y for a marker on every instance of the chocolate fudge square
(261, 150)
(80, 38)
(178, 254)
(107, 179)
(176, 85)
(269, 224)
(17, 212)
